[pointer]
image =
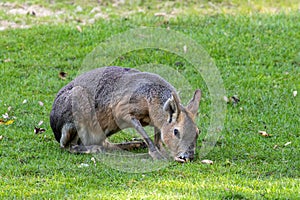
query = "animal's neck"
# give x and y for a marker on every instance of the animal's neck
(157, 115)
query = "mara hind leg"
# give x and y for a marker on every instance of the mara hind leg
(86, 124)
(69, 136)
(91, 136)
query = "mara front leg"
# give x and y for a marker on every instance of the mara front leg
(153, 150)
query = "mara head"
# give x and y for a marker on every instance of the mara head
(179, 132)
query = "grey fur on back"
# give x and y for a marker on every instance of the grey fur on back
(109, 87)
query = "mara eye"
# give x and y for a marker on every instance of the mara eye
(176, 133)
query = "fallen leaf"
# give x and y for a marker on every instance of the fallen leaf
(79, 29)
(41, 103)
(5, 116)
(78, 20)
(1, 137)
(295, 93)
(264, 134)
(96, 10)
(38, 130)
(40, 123)
(210, 162)
(62, 75)
(9, 122)
(184, 48)
(83, 165)
(91, 21)
(226, 99)
(160, 14)
(94, 160)
(31, 12)
(288, 143)
(101, 15)
(235, 99)
(1, 121)
(78, 9)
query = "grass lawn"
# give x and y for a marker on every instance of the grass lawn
(256, 48)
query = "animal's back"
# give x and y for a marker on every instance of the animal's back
(99, 83)
(107, 87)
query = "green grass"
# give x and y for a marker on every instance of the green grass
(257, 54)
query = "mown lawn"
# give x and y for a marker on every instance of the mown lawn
(258, 56)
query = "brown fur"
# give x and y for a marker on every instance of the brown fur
(104, 101)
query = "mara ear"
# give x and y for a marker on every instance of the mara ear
(194, 103)
(172, 107)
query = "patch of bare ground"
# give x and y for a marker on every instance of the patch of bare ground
(16, 14)
(24, 15)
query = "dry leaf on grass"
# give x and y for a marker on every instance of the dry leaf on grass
(264, 134)
(226, 99)
(160, 14)
(184, 48)
(295, 93)
(9, 122)
(78, 9)
(5, 116)
(235, 99)
(94, 161)
(62, 75)
(288, 143)
(210, 162)
(79, 29)
(31, 12)
(83, 165)
(40, 123)
(38, 130)
(3, 122)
